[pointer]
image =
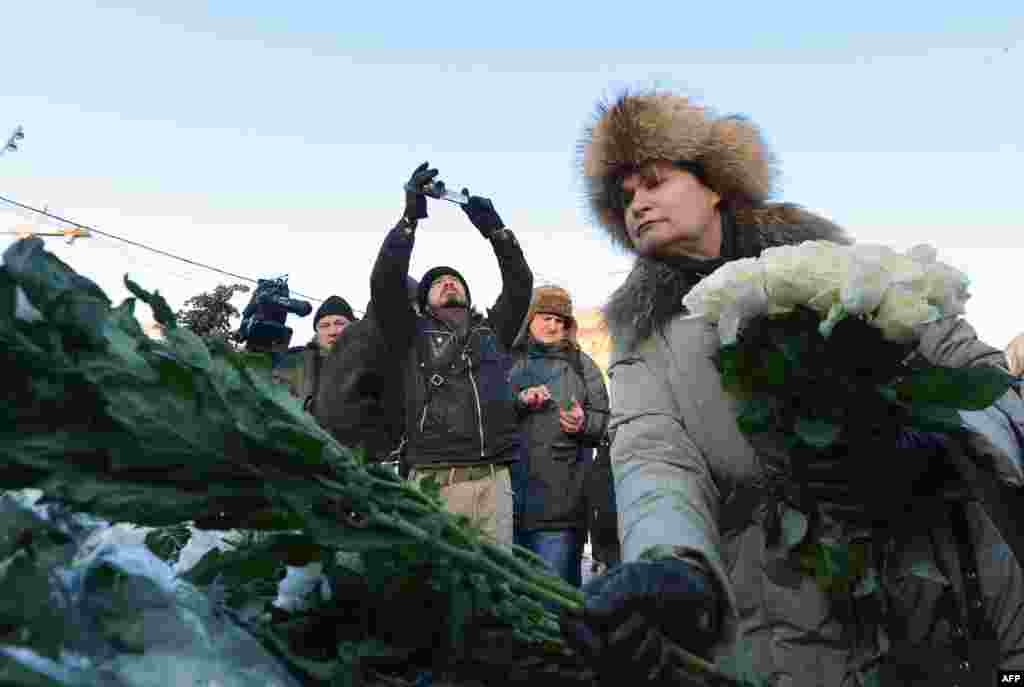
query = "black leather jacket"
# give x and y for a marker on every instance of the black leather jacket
(460, 407)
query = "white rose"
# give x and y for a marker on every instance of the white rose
(947, 288)
(810, 274)
(945, 285)
(903, 269)
(720, 288)
(902, 312)
(865, 286)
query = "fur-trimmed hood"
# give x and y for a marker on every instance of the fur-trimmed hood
(653, 292)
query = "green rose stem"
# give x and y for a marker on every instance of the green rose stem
(539, 584)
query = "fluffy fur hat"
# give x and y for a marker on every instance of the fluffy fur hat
(552, 300)
(638, 129)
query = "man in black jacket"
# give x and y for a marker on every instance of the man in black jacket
(361, 397)
(460, 417)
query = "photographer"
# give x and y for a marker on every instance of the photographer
(300, 368)
(460, 416)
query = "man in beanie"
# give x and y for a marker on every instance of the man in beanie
(361, 398)
(686, 191)
(460, 418)
(563, 404)
(300, 367)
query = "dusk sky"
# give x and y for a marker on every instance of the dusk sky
(272, 138)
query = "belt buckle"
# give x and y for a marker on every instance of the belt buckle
(436, 379)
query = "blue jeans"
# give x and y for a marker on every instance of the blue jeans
(561, 549)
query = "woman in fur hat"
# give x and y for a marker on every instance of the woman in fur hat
(563, 403)
(686, 191)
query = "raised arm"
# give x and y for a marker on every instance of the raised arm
(389, 297)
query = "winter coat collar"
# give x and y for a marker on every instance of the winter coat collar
(653, 292)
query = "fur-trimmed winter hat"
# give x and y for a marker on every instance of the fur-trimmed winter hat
(729, 152)
(432, 274)
(553, 300)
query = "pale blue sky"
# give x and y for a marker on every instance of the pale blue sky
(273, 138)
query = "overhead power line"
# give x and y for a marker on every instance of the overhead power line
(164, 253)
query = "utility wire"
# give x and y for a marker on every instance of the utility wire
(44, 213)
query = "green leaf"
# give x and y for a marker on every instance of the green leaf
(727, 361)
(772, 373)
(832, 564)
(737, 660)
(871, 678)
(167, 543)
(755, 414)
(932, 418)
(162, 312)
(793, 348)
(817, 433)
(888, 392)
(926, 569)
(794, 527)
(965, 388)
(868, 584)
(658, 552)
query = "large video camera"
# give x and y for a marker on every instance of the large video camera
(263, 319)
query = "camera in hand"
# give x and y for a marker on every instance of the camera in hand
(437, 189)
(263, 328)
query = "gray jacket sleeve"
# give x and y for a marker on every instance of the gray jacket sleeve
(999, 429)
(667, 499)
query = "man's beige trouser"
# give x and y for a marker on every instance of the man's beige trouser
(483, 493)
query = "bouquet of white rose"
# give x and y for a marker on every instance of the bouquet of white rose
(895, 293)
(817, 346)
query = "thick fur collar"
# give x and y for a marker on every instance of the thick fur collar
(654, 290)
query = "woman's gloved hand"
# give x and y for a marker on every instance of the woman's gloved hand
(630, 612)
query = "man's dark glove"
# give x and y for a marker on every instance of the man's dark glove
(416, 203)
(630, 612)
(482, 214)
(871, 481)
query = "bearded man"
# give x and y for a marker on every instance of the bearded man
(461, 426)
(686, 191)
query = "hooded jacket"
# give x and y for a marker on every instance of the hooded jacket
(550, 480)
(459, 406)
(689, 481)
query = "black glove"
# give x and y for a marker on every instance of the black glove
(870, 482)
(630, 612)
(416, 203)
(482, 214)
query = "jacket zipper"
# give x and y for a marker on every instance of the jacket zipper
(479, 410)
